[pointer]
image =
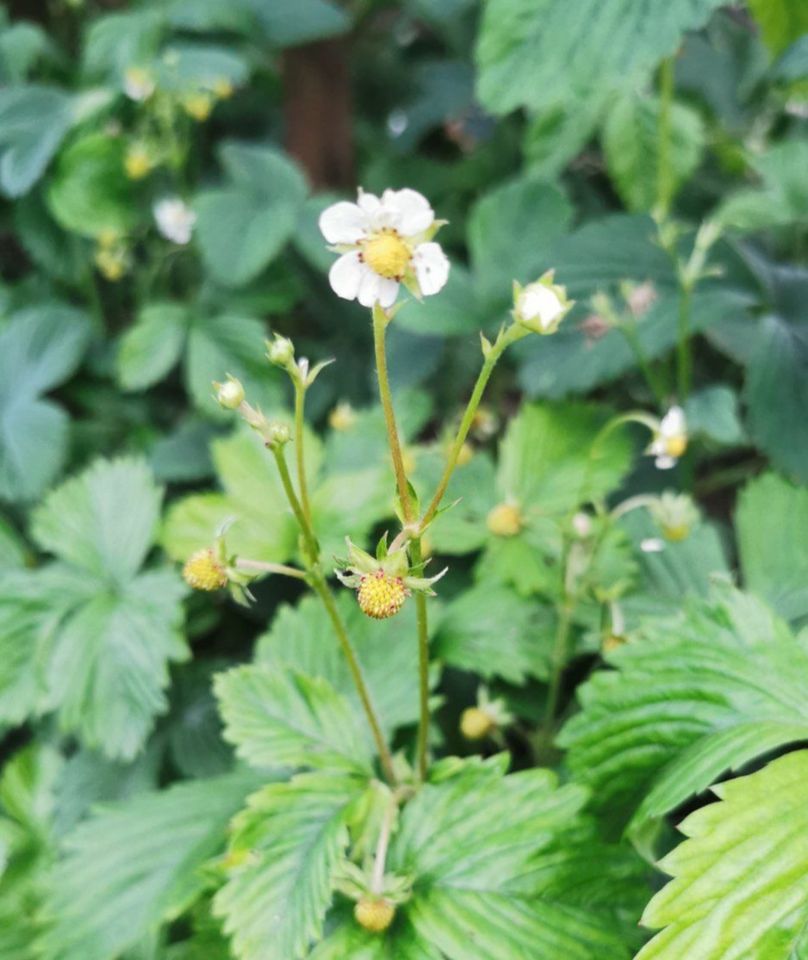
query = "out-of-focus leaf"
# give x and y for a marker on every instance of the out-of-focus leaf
(21, 45)
(40, 347)
(120, 40)
(713, 412)
(631, 141)
(152, 346)
(289, 23)
(90, 193)
(140, 860)
(772, 525)
(535, 54)
(457, 310)
(739, 879)
(33, 122)
(781, 22)
(243, 226)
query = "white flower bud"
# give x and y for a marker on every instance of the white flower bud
(229, 394)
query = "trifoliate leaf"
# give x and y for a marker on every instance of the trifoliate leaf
(40, 347)
(302, 638)
(242, 227)
(772, 526)
(686, 703)
(740, 879)
(138, 860)
(495, 632)
(96, 632)
(289, 840)
(282, 718)
(538, 54)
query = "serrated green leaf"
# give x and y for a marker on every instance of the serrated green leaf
(302, 638)
(493, 631)
(544, 462)
(33, 122)
(40, 347)
(536, 54)
(282, 718)
(295, 834)
(242, 227)
(740, 879)
(631, 141)
(772, 527)
(138, 860)
(89, 192)
(685, 704)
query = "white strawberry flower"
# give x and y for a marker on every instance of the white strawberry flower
(175, 219)
(670, 439)
(384, 242)
(138, 84)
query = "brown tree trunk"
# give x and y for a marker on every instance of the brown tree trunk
(318, 112)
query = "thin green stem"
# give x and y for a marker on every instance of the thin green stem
(322, 590)
(683, 358)
(490, 361)
(300, 397)
(312, 548)
(383, 843)
(664, 170)
(422, 746)
(557, 663)
(379, 325)
(262, 566)
(632, 337)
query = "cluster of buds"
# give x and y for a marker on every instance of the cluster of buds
(231, 395)
(486, 718)
(281, 353)
(382, 582)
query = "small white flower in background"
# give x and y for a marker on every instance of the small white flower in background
(670, 439)
(384, 242)
(675, 514)
(175, 219)
(541, 306)
(652, 545)
(138, 83)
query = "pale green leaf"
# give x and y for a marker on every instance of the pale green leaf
(713, 412)
(244, 226)
(687, 702)
(33, 121)
(631, 140)
(781, 21)
(152, 345)
(282, 718)
(302, 638)
(135, 865)
(782, 197)
(537, 53)
(772, 526)
(740, 879)
(289, 23)
(295, 834)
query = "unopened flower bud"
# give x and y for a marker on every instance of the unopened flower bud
(342, 417)
(229, 394)
(374, 913)
(278, 434)
(281, 351)
(465, 455)
(138, 161)
(541, 306)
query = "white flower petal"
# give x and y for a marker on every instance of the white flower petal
(368, 202)
(413, 214)
(343, 222)
(431, 267)
(538, 302)
(175, 219)
(665, 462)
(345, 275)
(388, 291)
(673, 424)
(652, 545)
(369, 287)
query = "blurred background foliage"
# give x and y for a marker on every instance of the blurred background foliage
(594, 137)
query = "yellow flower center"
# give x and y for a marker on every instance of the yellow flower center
(505, 520)
(374, 913)
(198, 105)
(387, 254)
(203, 571)
(137, 164)
(676, 531)
(475, 723)
(675, 446)
(381, 596)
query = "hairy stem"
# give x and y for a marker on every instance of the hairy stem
(310, 541)
(262, 566)
(422, 746)
(300, 396)
(683, 358)
(322, 590)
